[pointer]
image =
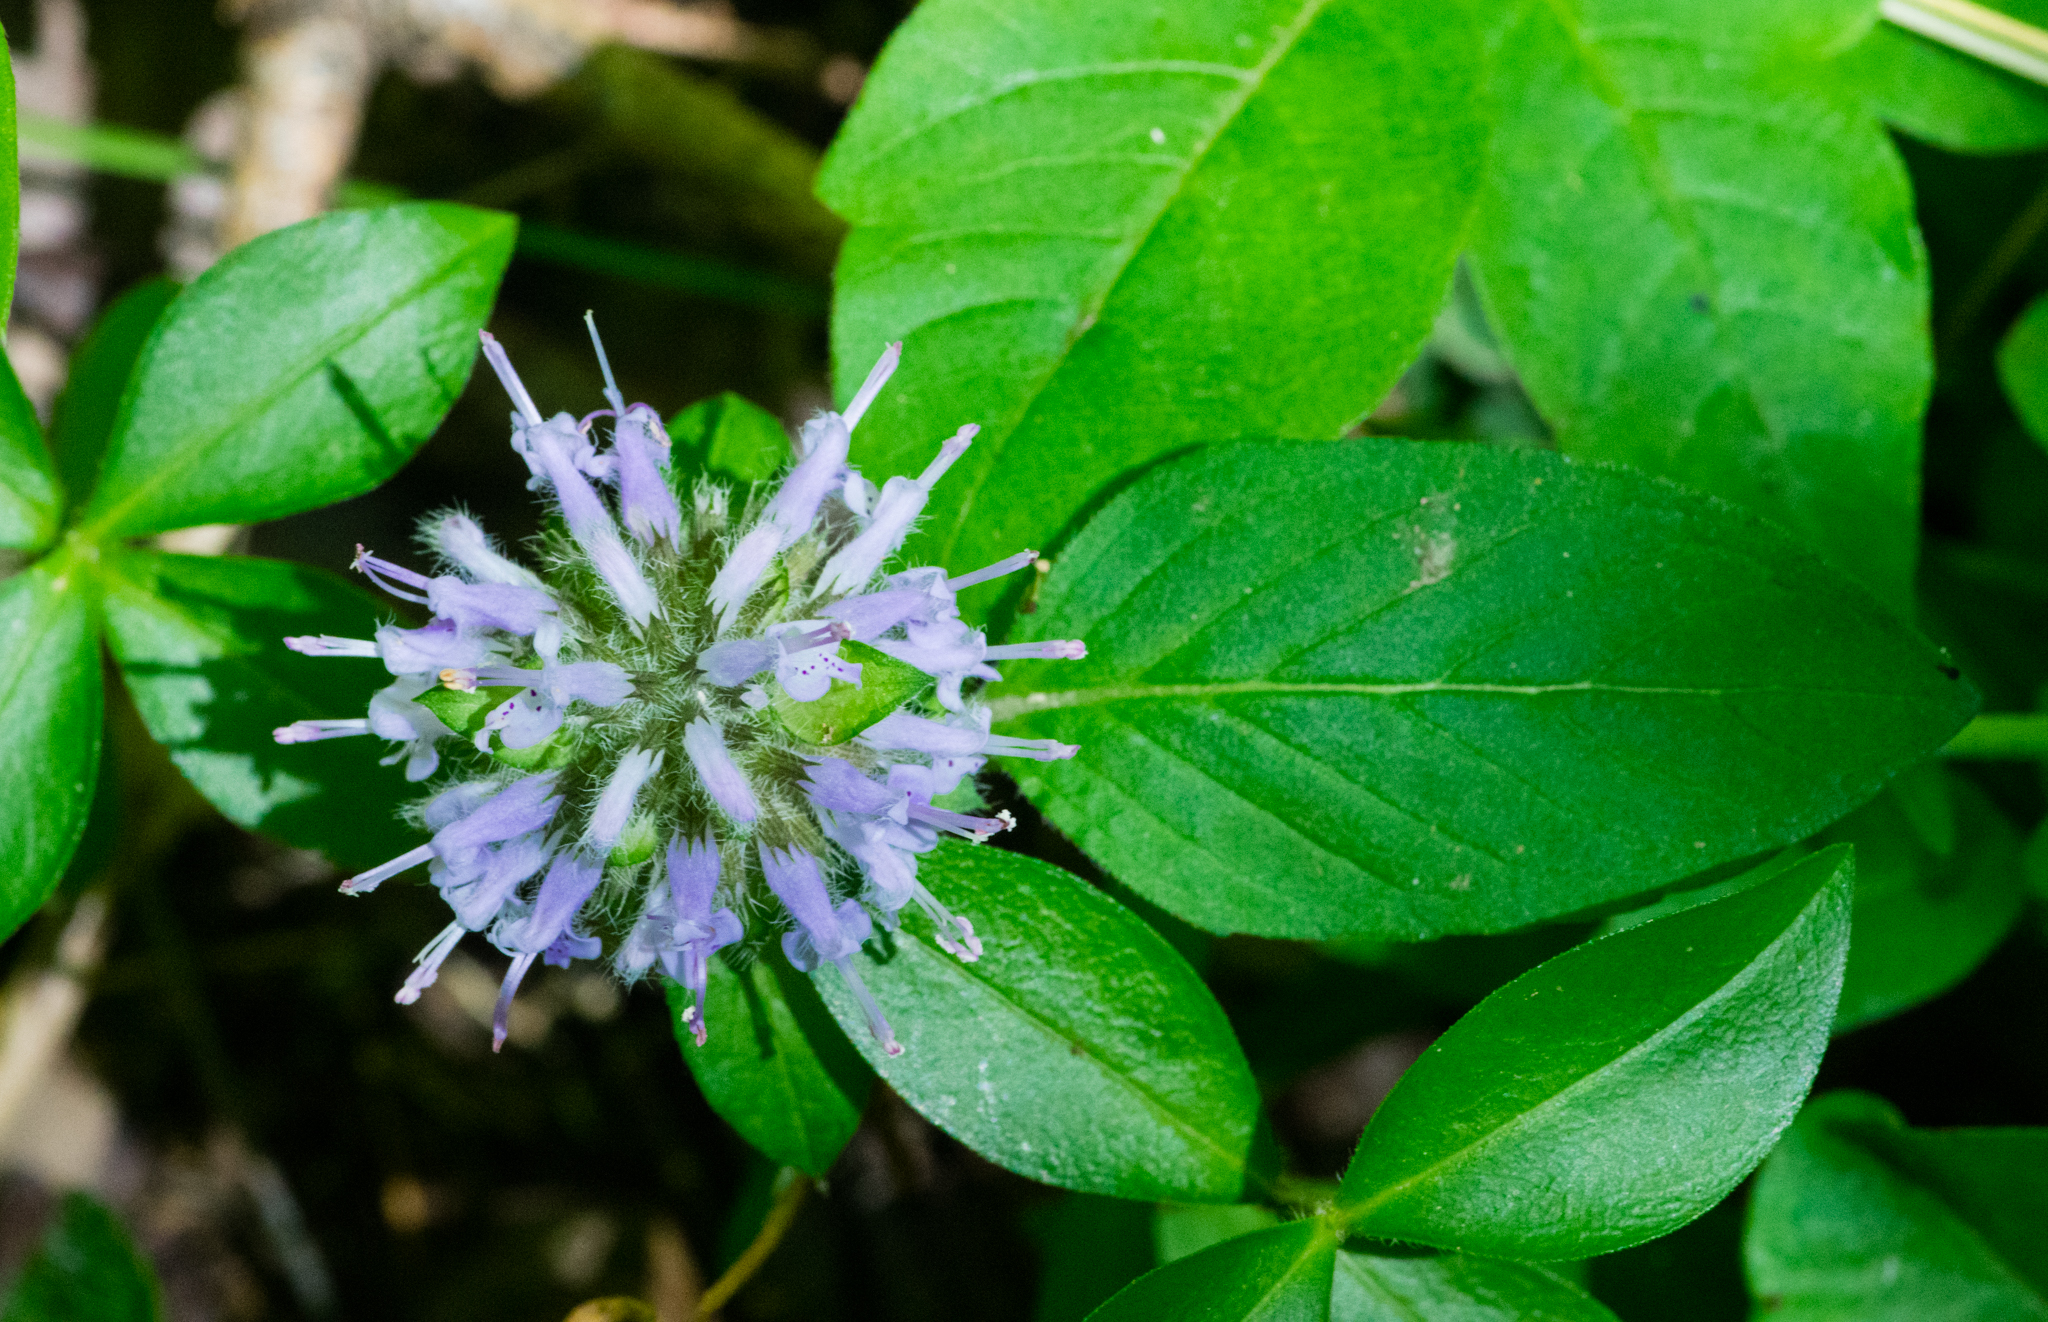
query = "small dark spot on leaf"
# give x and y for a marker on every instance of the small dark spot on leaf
(1699, 303)
(1076, 1048)
(1948, 670)
(1771, 1303)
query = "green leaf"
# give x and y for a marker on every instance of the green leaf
(1406, 690)
(847, 709)
(464, 710)
(1924, 919)
(1618, 1091)
(1451, 1287)
(732, 437)
(1857, 1218)
(304, 367)
(1080, 1050)
(1702, 257)
(50, 699)
(85, 1270)
(1942, 96)
(100, 372)
(1277, 1275)
(2023, 368)
(1181, 1230)
(774, 1065)
(30, 499)
(200, 641)
(1107, 233)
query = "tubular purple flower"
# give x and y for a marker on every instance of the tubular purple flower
(461, 540)
(571, 878)
(902, 500)
(679, 927)
(878, 376)
(838, 786)
(395, 716)
(527, 805)
(551, 449)
(615, 805)
(642, 447)
(517, 610)
(722, 779)
(824, 934)
(823, 468)
(439, 646)
(741, 573)
(737, 660)
(874, 614)
(480, 892)
(901, 730)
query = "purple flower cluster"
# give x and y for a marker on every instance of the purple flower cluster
(623, 779)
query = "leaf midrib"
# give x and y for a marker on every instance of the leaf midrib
(1467, 1152)
(1090, 306)
(186, 456)
(1006, 709)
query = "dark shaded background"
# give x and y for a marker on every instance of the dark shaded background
(441, 1182)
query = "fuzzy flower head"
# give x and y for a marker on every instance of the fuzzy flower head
(703, 712)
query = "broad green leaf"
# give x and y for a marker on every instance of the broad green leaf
(1451, 1287)
(1857, 1218)
(50, 699)
(1108, 232)
(2023, 368)
(1924, 919)
(1939, 95)
(1618, 1091)
(464, 712)
(85, 1270)
(1702, 257)
(774, 1065)
(100, 372)
(1181, 1230)
(304, 367)
(200, 641)
(31, 501)
(1406, 690)
(1277, 1275)
(847, 709)
(733, 438)
(1079, 1050)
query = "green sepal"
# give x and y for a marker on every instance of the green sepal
(847, 709)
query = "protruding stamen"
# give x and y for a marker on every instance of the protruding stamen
(327, 644)
(427, 964)
(494, 354)
(835, 632)
(1059, 649)
(878, 376)
(878, 1023)
(949, 452)
(902, 500)
(387, 575)
(365, 882)
(611, 387)
(501, 1013)
(306, 732)
(1021, 560)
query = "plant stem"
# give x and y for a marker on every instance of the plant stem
(2003, 737)
(1974, 30)
(790, 1198)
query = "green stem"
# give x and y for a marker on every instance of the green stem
(781, 1214)
(2003, 737)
